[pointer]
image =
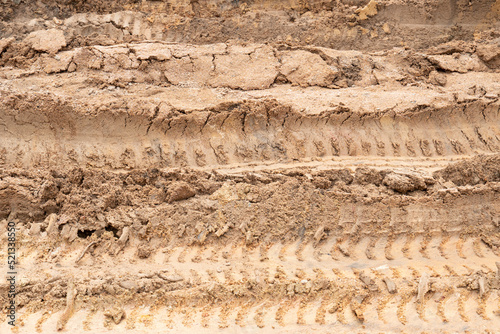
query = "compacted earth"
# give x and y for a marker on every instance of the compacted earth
(251, 166)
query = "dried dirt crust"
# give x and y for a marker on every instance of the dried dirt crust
(251, 166)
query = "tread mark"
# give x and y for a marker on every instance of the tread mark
(242, 314)
(45, 316)
(205, 315)
(88, 320)
(212, 276)
(282, 253)
(214, 256)
(228, 277)
(470, 271)
(381, 306)
(407, 245)
(353, 242)
(481, 310)
(476, 246)
(182, 256)
(450, 270)
(187, 321)
(334, 251)
(282, 311)
(260, 313)
(263, 249)
(338, 273)
(358, 305)
(340, 309)
(300, 249)
(460, 246)
(371, 246)
(434, 272)
(448, 292)
(168, 253)
(224, 314)
(196, 277)
(301, 311)
(405, 298)
(395, 273)
(342, 248)
(464, 295)
(130, 319)
(414, 272)
(317, 254)
(421, 306)
(424, 244)
(444, 240)
(488, 269)
(388, 247)
(321, 312)
(197, 258)
(319, 273)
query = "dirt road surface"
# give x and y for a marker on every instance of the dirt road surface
(270, 166)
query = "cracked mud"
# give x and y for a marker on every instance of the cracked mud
(251, 166)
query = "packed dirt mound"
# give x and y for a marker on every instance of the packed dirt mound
(250, 166)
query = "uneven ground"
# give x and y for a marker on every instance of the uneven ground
(251, 166)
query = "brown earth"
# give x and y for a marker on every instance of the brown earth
(251, 166)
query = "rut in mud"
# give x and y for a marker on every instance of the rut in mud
(254, 166)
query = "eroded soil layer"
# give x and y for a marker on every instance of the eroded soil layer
(251, 166)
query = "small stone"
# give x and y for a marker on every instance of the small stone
(125, 235)
(320, 233)
(482, 286)
(391, 286)
(116, 314)
(404, 182)
(386, 28)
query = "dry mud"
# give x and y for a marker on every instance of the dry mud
(251, 166)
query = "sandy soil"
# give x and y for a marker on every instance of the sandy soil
(251, 166)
